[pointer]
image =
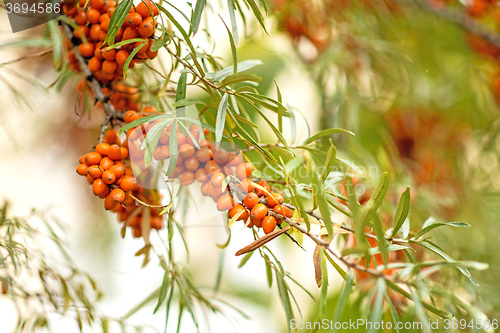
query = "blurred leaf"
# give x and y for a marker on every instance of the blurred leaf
(242, 66)
(239, 77)
(285, 298)
(181, 88)
(401, 212)
(163, 291)
(337, 267)
(433, 226)
(198, 10)
(257, 14)
(234, 25)
(186, 102)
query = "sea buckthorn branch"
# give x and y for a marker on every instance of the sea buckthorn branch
(108, 108)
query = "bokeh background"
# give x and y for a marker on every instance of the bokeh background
(412, 86)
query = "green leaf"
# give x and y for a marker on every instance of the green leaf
(446, 257)
(234, 25)
(245, 258)
(284, 152)
(239, 77)
(337, 267)
(143, 120)
(329, 161)
(242, 66)
(126, 65)
(285, 298)
(344, 296)
(257, 13)
(324, 133)
(376, 199)
(151, 140)
(181, 88)
(377, 307)
(433, 226)
(221, 119)
(233, 49)
(324, 286)
(198, 10)
(173, 149)
(320, 199)
(116, 21)
(186, 102)
(401, 212)
(163, 291)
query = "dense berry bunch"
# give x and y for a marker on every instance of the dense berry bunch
(113, 181)
(92, 28)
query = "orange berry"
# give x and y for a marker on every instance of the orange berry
(109, 203)
(90, 180)
(217, 179)
(105, 193)
(234, 159)
(186, 150)
(251, 199)
(156, 222)
(80, 18)
(146, 8)
(269, 224)
(133, 19)
(236, 209)
(106, 163)
(111, 136)
(130, 116)
(149, 109)
(99, 187)
(257, 223)
(143, 49)
(105, 25)
(192, 164)
(220, 156)
(274, 199)
(225, 202)
(109, 66)
(244, 170)
(94, 64)
(117, 195)
(282, 210)
(97, 4)
(246, 185)
(265, 185)
(187, 178)
(130, 33)
(108, 177)
(102, 148)
(93, 16)
(204, 155)
(82, 159)
(121, 57)
(114, 152)
(258, 212)
(123, 153)
(95, 32)
(201, 175)
(128, 183)
(211, 167)
(146, 28)
(82, 169)
(95, 171)
(93, 158)
(109, 55)
(81, 31)
(86, 49)
(118, 170)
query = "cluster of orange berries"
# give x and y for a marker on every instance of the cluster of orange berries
(212, 165)
(107, 64)
(113, 181)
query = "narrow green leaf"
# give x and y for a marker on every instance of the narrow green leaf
(173, 149)
(324, 286)
(234, 25)
(239, 77)
(257, 14)
(324, 133)
(433, 226)
(377, 307)
(320, 199)
(198, 10)
(401, 212)
(344, 296)
(242, 66)
(285, 298)
(116, 21)
(143, 120)
(329, 161)
(221, 119)
(245, 259)
(376, 199)
(186, 102)
(181, 88)
(233, 48)
(126, 65)
(284, 152)
(337, 267)
(163, 291)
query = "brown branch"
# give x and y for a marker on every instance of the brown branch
(34, 55)
(462, 20)
(96, 86)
